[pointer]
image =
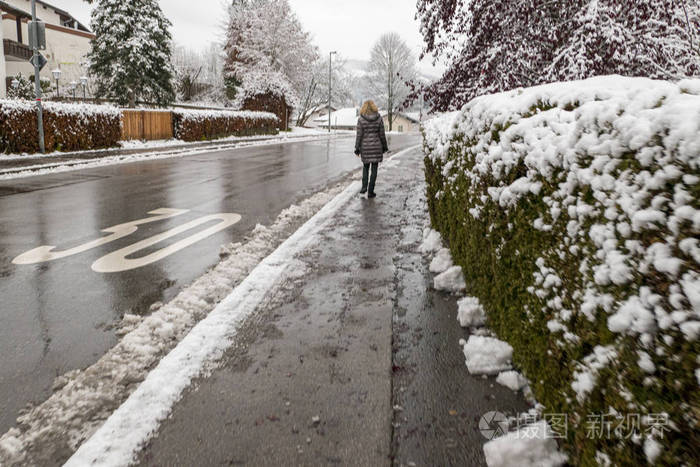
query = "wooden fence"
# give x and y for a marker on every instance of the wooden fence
(147, 124)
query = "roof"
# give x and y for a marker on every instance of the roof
(412, 116)
(64, 13)
(7, 8)
(342, 117)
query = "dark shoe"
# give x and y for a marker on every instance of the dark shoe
(372, 195)
(363, 191)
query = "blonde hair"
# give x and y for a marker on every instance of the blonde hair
(369, 107)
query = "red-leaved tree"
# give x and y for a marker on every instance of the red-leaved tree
(498, 45)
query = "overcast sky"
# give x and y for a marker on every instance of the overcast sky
(348, 26)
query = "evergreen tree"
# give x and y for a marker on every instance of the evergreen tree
(131, 54)
(497, 45)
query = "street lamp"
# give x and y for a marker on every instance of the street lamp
(330, 86)
(15, 83)
(84, 81)
(57, 75)
(73, 86)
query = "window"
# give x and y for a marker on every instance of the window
(400, 128)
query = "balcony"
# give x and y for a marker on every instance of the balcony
(15, 50)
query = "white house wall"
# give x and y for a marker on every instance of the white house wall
(3, 71)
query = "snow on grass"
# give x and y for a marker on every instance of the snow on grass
(486, 355)
(470, 313)
(530, 446)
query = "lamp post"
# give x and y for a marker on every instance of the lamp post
(57, 75)
(84, 81)
(330, 86)
(73, 86)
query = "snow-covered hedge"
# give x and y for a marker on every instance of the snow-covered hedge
(67, 127)
(573, 211)
(199, 125)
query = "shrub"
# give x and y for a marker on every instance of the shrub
(573, 210)
(198, 125)
(67, 127)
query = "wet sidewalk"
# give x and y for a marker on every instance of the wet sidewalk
(350, 360)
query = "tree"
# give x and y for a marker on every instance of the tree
(131, 53)
(265, 36)
(391, 65)
(315, 94)
(497, 45)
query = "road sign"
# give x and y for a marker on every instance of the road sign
(38, 60)
(40, 27)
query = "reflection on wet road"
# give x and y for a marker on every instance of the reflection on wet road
(56, 316)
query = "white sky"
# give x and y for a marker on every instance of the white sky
(348, 26)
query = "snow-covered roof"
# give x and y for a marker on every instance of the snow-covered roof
(342, 117)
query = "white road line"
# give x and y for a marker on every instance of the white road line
(136, 420)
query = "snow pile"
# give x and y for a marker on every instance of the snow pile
(470, 312)
(487, 355)
(83, 402)
(530, 446)
(441, 262)
(432, 241)
(512, 380)
(595, 185)
(451, 281)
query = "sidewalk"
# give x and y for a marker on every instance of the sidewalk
(348, 359)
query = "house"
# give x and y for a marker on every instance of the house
(341, 119)
(404, 122)
(318, 112)
(67, 42)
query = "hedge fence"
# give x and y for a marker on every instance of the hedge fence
(199, 125)
(79, 127)
(67, 127)
(573, 211)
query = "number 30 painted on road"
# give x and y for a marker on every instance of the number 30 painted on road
(117, 261)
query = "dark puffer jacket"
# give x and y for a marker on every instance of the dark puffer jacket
(371, 139)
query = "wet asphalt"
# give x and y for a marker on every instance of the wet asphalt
(59, 316)
(353, 362)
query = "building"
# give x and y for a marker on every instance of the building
(341, 119)
(404, 122)
(317, 113)
(67, 41)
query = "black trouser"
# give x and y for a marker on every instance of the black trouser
(372, 179)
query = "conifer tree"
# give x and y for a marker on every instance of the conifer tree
(130, 56)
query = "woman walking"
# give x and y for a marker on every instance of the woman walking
(370, 144)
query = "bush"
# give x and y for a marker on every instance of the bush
(67, 127)
(573, 210)
(198, 125)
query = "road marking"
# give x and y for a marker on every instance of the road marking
(45, 253)
(118, 262)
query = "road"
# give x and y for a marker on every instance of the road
(59, 315)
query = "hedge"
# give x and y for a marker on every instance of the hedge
(199, 125)
(573, 211)
(67, 127)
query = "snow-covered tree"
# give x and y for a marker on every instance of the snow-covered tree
(496, 45)
(315, 94)
(391, 65)
(130, 57)
(265, 36)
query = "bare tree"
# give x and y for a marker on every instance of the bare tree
(391, 65)
(316, 91)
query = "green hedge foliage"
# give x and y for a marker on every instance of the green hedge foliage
(200, 125)
(573, 211)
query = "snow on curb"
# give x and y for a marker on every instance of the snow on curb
(84, 401)
(530, 446)
(135, 421)
(81, 164)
